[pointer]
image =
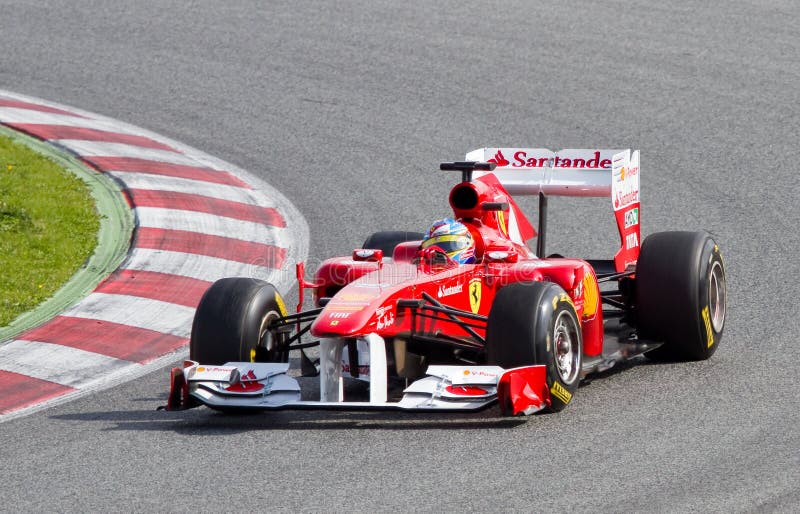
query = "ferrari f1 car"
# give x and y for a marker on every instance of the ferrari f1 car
(430, 333)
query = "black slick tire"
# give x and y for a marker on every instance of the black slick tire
(530, 323)
(231, 320)
(680, 295)
(387, 240)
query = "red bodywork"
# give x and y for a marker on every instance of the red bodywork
(417, 315)
(363, 292)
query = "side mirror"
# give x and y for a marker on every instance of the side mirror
(500, 255)
(368, 255)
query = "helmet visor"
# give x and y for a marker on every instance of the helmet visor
(449, 244)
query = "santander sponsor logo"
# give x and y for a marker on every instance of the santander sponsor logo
(499, 159)
(529, 158)
(522, 160)
(447, 291)
(248, 383)
(249, 376)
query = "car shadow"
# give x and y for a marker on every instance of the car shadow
(204, 421)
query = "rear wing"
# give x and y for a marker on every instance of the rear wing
(574, 172)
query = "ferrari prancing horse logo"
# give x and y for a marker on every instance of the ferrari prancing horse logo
(475, 295)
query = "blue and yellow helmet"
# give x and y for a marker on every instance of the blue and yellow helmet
(453, 238)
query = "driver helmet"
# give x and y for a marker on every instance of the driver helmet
(453, 238)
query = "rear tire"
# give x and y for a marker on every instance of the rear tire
(231, 321)
(680, 295)
(387, 240)
(536, 323)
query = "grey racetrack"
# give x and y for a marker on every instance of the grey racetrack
(347, 108)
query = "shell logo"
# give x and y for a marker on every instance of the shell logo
(589, 296)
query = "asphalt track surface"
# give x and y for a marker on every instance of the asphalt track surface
(347, 109)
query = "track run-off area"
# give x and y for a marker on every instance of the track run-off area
(197, 219)
(347, 110)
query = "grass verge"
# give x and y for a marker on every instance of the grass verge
(48, 228)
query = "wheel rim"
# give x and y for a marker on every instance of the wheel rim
(716, 296)
(566, 351)
(266, 338)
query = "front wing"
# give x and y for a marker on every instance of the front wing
(267, 386)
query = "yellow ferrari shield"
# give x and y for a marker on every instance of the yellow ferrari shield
(475, 295)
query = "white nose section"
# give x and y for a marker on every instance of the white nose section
(331, 382)
(377, 368)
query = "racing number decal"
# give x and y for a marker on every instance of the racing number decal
(475, 295)
(707, 323)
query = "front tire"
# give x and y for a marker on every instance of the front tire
(536, 323)
(231, 321)
(681, 296)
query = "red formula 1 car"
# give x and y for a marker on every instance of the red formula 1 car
(467, 315)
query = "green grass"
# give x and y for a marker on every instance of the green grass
(48, 228)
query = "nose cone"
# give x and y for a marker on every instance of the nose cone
(367, 304)
(337, 321)
(351, 312)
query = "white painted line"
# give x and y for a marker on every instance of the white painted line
(86, 148)
(202, 267)
(63, 365)
(147, 181)
(211, 224)
(168, 318)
